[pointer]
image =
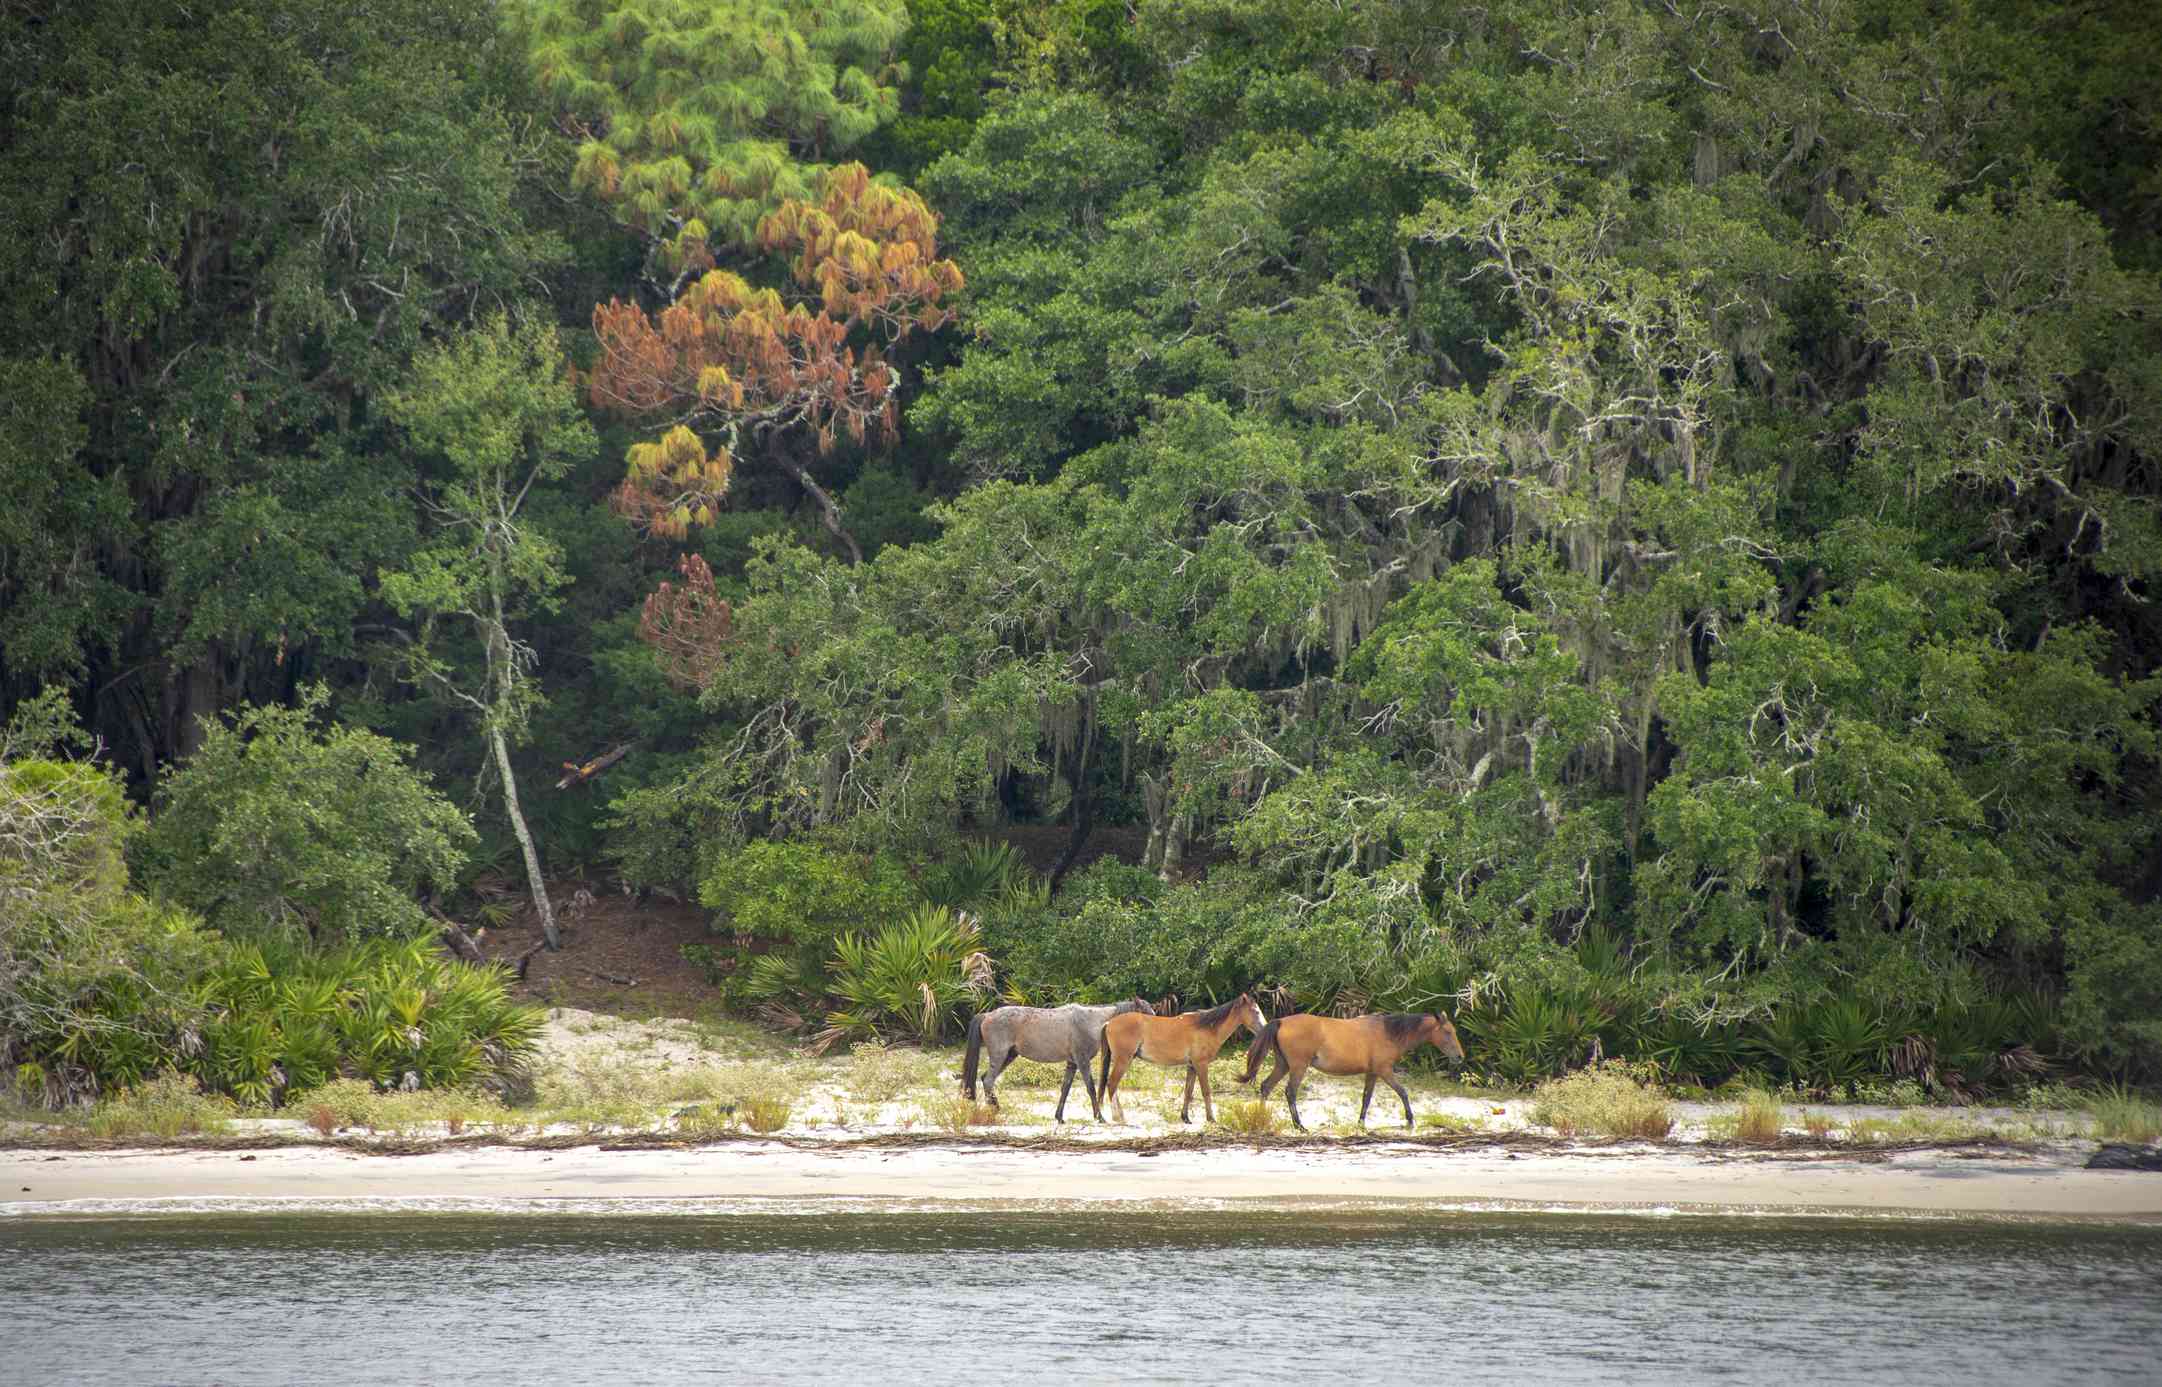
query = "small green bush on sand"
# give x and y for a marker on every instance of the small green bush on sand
(1607, 1101)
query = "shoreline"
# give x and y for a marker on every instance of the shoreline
(763, 1177)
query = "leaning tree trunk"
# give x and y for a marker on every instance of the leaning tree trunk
(500, 649)
(525, 841)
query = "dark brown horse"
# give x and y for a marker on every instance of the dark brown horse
(1191, 1039)
(1369, 1045)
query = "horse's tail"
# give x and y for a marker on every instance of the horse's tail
(975, 1053)
(1103, 1043)
(1259, 1050)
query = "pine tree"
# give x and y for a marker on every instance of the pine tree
(730, 359)
(698, 118)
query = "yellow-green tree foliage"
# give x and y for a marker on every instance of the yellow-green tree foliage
(696, 118)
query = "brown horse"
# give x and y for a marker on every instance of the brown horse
(1191, 1038)
(1369, 1045)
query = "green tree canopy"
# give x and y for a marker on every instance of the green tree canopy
(281, 825)
(224, 226)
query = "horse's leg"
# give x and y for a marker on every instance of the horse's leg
(998, 1067)
(1391, 1081)
(1186, 1104)
(1282, 1067)
(1119, 1063)
(1367, 1100)
(1208, 1108)
(1088, 1081)
(1291, 1097)
(1064, 1088)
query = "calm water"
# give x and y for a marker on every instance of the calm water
(863, 1299)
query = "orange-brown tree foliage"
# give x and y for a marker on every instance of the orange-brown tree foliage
(688, 626)
(729, 359)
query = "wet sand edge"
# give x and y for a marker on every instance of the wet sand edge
(777, 1177)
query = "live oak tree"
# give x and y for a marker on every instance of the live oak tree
(1473, 484)
(281, 827)
(223, 228)
(492, 416)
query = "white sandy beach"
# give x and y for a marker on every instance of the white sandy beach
(839, 1150)
(774, 1174)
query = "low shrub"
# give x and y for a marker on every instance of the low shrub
(978, 874)
(356, 1103)
(710, 966)
(1899, 1093)
(1038, 1074)
(878, 1073)
(1452, 1122)
(283, 823)
(1760, 1118)
(1912, 1129)
(1535, 1032)
(954, 1113)
(2119, 1115)
(399, 1014)
(766, 1114)
(705, 1120)
(341, 1103)
(799, 897)
(1116, 931)
(166, 1106)
(95, 980)
(2051, 1095)
(1247, 1116)
(919, 978)
(1610, 1100)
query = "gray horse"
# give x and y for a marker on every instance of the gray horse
(1067, 1033)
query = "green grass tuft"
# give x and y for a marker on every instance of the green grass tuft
(1761, 1119)
(766, 1114)
(953, 1113)
(1452, 1122)
(2121, 1116)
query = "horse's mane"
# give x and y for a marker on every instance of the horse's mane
(1214, 1016)
(1401, 1025)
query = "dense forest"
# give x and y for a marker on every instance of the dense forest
(1630, 521)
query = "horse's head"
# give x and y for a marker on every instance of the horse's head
(1249, 1012)
(1441, 1031)
(1138, 1004)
